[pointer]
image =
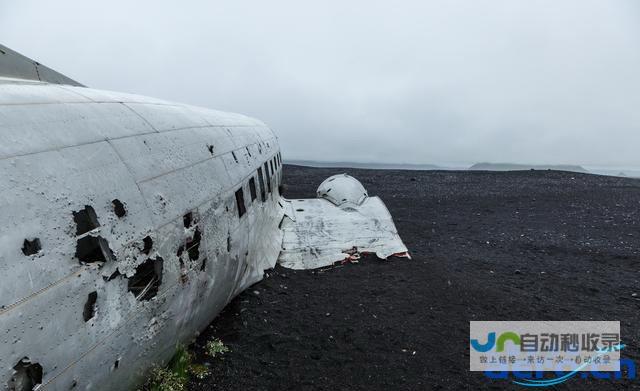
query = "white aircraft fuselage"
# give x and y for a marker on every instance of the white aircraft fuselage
(128, 223)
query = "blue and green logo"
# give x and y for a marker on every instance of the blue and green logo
(491, 342)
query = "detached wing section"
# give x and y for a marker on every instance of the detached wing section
(341, 224)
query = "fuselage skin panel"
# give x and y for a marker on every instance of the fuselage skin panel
(128, 223)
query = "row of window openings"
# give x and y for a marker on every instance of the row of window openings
(275, 162)
(277, 158)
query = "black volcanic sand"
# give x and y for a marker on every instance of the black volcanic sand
(528, 245)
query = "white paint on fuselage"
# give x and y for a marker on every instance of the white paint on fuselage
(67, 147)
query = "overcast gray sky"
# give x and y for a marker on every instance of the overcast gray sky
(389, 81)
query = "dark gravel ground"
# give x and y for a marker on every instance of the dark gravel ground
(530, 245)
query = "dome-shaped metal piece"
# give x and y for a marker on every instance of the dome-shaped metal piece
(342, 189)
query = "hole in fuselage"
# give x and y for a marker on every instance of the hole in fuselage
(112, 276)
(90, 306)
(86, 220)
(31, 247)
(27, 375)
(118, 208)
(266, 172)
(242, 209)
(148, 245)
(252, 189)
(145, 283)
(91, 249)
(261, 181)
(187, 219)
(193, 245)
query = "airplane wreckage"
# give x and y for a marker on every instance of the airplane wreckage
(128, 223)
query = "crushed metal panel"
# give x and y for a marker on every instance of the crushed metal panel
(318, 233)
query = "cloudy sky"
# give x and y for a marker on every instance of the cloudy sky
(369, 81)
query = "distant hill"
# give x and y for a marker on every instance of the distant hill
(383, 166)
(519, 167)
(630, 172)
